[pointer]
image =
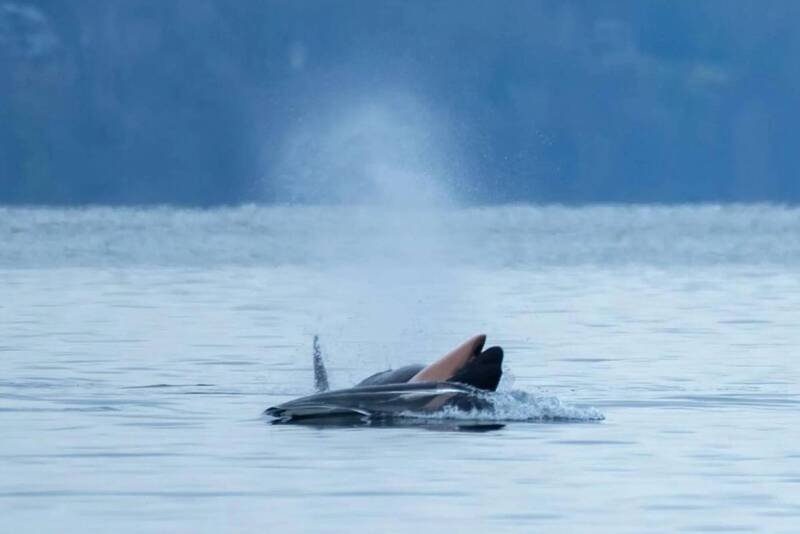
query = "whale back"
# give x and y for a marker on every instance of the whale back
(392, 376)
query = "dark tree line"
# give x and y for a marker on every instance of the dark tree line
(188, 101)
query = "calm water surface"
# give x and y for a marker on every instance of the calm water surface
(139, 348)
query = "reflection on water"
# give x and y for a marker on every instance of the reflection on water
(131, 397)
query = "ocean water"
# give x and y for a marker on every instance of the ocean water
(139, 348)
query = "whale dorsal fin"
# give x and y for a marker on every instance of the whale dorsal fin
(444, 368)
(320, 374)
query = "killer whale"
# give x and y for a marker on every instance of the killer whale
(460, 380)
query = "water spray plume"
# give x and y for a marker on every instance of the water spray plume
(389, 151)
(384, 167)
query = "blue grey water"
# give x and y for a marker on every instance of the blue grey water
(139, 348)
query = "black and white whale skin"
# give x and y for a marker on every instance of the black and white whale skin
(383, 401)
(460, 380)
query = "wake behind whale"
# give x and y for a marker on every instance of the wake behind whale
(459, 388)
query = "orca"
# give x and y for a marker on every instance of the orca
(459, 380)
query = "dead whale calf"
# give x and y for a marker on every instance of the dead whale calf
(460, 380)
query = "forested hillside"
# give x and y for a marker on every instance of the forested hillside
(192, 101)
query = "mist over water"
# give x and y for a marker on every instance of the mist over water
(387, 150)
(386, 160)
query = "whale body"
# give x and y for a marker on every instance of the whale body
(460, 380)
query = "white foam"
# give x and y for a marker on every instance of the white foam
(520, 405)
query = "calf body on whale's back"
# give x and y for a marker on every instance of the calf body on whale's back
(454, 380)
(466, 364)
